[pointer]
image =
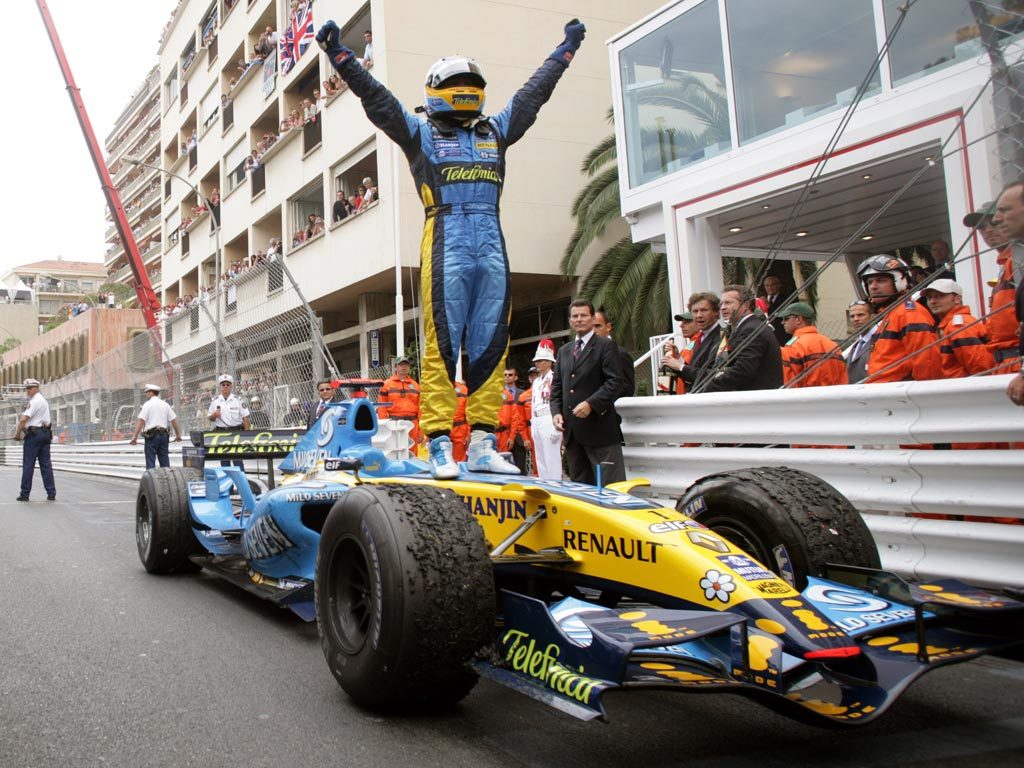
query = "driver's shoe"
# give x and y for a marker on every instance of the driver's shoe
(442, 463)
(484, 456)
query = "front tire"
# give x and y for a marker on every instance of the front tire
(789, 520)
(404, 595)
(163, 526)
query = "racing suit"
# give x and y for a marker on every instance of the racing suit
(904, 346)
(464, 276)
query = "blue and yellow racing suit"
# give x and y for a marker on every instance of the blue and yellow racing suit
(464, 275)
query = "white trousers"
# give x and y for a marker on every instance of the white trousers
(547, 446)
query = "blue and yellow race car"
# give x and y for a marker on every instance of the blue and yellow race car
(763, 582)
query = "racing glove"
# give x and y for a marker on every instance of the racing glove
(329, 38)
(574, 34)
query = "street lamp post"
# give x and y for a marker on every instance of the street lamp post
(217, 253)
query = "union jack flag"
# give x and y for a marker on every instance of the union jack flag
(297, 36)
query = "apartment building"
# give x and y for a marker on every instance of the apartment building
(896, 174)
(55, 283)
(136, 134)
(217, 105)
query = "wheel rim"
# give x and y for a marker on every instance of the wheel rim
(744, 537)
(144, 526)
(351, 595)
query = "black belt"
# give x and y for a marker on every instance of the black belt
(1002, 355)
(33, 430)
(239, 428)
(155, 431)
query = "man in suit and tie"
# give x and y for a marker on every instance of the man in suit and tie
(752, 358)
(588, 378)
(704, 310)
(603, 327)
(325, 391)
(774, 298)
(857, 354)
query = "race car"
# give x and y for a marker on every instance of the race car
(763, 582)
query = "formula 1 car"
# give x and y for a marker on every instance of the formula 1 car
(560, 590)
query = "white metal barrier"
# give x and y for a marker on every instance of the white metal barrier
(883, 473)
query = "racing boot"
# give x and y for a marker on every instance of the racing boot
(442, 464)
(484, 456)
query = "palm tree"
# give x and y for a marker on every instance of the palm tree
(629, 279)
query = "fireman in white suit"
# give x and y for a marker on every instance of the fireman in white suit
(547, 441)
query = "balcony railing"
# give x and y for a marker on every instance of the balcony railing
(259, 179)
(193, 158)
(229, 114)
(312, 135)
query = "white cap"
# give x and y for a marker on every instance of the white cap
(226, 377)
(945, 286)
(254, 399)
(151, 388)
(30, 383)
(293, 401)
(545, 351)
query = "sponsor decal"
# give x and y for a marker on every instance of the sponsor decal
(378, 608)
(231, 443)
(197, 488)
(523, 655)
(264, 539)
(717, 586)
(465, 98)
(603, 496)
(783, 564)
(707, 540)
(747, 568)
(614, 546)
(270, 581)
(474, 173)
(302, 497)
(487, 145)
(673, 525)
(772, 587)
(326, 432)
(855, 611)
(503, 509)
(695, 507)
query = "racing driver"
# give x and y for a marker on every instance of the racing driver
(457, 158)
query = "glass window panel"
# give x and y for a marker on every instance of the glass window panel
(673, 84)
(938, 33)
(797, 61)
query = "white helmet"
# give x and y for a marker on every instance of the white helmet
(465, 100)
(884, 264)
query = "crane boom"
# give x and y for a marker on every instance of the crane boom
(148, 300)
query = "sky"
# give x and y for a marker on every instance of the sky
(53, 205)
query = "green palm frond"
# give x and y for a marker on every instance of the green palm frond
(601, 155)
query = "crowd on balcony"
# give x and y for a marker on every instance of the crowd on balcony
(355, 203)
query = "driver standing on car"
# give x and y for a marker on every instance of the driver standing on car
(34, 428)
(227, 411)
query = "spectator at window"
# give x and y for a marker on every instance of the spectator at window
(367, 60)
(298, 238)
(319, 100)
(353, 202)
(370, 194)
(336, 85)
(340, 209)
(318, 225)
(308, 111)
(328, 89)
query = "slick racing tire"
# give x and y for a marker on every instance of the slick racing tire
(163, 527)
(789, 520)
(404, 595)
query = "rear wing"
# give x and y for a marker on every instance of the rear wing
(266, 444)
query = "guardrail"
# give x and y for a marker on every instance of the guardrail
(889, 469)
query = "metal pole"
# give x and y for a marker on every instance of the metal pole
(396, 229)
(218, 257)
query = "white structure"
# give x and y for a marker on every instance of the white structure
(776, 79)
(348, 273)
(136, 133)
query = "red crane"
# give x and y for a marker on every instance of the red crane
(148, 300)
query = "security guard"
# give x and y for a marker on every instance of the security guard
(227, 411)
(156, 418)
(809, 358)
(35, 429)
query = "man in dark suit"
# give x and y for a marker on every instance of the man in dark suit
(325, 392)
(776, 301)
(588, 378)
(857, 354)
(752, 358)
(603, 327)
(704, 308)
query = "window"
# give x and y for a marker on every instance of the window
(944, 34)
(306, 214)
(171, 89)
(790, 65)
(349, 174)
(209, 108)
(234, 165)
(673, 83)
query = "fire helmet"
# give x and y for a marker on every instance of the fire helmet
(884, 264)
(462, 101)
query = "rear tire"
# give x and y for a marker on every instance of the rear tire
(163, 526)
(789, 520)
(404, 595)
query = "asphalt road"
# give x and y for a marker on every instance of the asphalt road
(102, 664)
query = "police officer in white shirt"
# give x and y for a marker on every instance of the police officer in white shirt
(156, 418)
(227, 411)
(35, 429)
